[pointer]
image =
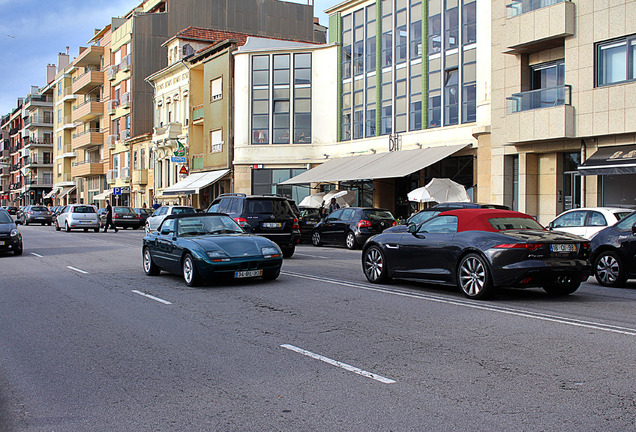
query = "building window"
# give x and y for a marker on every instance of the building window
(346, 45)
(469, 22)
(216, 141)
(416, 29)
(281, 97)
(451, 21)
(387, 33)
(302, 98)
(135, 160)
(358, 44)
(260, 99)
(451, 100)
(370, 37)
(469, 88)
(616, 61)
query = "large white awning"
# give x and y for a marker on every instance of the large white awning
(375, 166)
(193, 183)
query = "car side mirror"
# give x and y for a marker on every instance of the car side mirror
(166, 231)
(551, 226)
(412, 228)
(634, 229)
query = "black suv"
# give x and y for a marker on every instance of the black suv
(270, 216)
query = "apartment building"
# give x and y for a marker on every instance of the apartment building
(12, 139)
(37, 138)
(563, 105)
(413, 88)
(64, 155)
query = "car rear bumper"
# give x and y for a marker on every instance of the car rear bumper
(539, 273)
(79, 224)
(38, 219)
(127, 222)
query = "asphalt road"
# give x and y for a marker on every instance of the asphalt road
(88, 342)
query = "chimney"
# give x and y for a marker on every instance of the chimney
(62, 60)
(34, 90)
(50, 73)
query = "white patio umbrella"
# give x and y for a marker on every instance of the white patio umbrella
(446, 190)
(343, 198)
(313, 200)
(420, 194)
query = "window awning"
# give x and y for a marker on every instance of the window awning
(66, 191)
(50, 194)
(610, 161)
(103, 196)
(375, 166)
(193, 183)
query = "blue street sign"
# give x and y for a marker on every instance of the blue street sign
(177, 159)
(117, 191)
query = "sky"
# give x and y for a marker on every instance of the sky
(33, 32)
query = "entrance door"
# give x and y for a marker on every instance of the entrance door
(571, 190)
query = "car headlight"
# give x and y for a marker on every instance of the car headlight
(14, 232)
(218, 256)
(270, 252)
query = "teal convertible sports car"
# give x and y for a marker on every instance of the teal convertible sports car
(207, 247)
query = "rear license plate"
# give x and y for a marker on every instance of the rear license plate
(248, 273)
(272, 224)
(85, 222)
(562, 248)
(128, 217)
(1, 242)
(310, 223)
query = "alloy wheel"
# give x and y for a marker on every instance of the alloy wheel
(351, 241)
(147, 260)
(373, 264)
(608, 270)
(472, 276)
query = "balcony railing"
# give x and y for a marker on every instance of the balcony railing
(541, 98)
(111, 72)
(125, 63)
(522, 6)
(125, 100)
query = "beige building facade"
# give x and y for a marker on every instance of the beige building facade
(563, 105)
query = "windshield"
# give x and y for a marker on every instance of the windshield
(377, 215)
(206, 225)
(123, 210)
(182, 210)
(422, 216)
(5, 218)
(508, 223)
(84, 209)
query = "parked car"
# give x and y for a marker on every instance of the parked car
(270, 216)
(587, 221)
(426, 214)
(153, 222)
(123, 217)
(351, 226)
(308, 219)
(209, 246)
(614, 253)
(10, 236)
(143, 213)
(34, 214)
(480, 250)
(77, 216)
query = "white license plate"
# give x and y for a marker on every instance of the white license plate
(563, 248)
(85, 222)
(272, 225)
(128, 217)
(248, 273)
(310, 223)
(2, 243)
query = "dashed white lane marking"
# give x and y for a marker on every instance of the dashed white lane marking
(339, 364)
(473, 305)
(37, 255)
(152, 297)
(77, 270)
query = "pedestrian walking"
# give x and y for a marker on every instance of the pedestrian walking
(109, 218)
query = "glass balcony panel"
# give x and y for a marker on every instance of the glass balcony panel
(541, 98)
(522, 6)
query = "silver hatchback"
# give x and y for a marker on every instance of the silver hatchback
(77, 216)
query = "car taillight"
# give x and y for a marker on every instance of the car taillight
(241, 221)
(295, 225)
(364, 224)
(528, 246)
(394, 223)
(116, 214)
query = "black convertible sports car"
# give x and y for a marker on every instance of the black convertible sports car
(614, 253)
(480, 250)
(207, 247)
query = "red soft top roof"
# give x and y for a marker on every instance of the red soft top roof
(477, 219)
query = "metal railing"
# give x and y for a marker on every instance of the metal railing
(96, 100)
(86, 72)
(84, 132)
(519, 7)
(541, 98)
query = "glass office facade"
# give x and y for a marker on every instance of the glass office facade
(394, 80)
(281, 98)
